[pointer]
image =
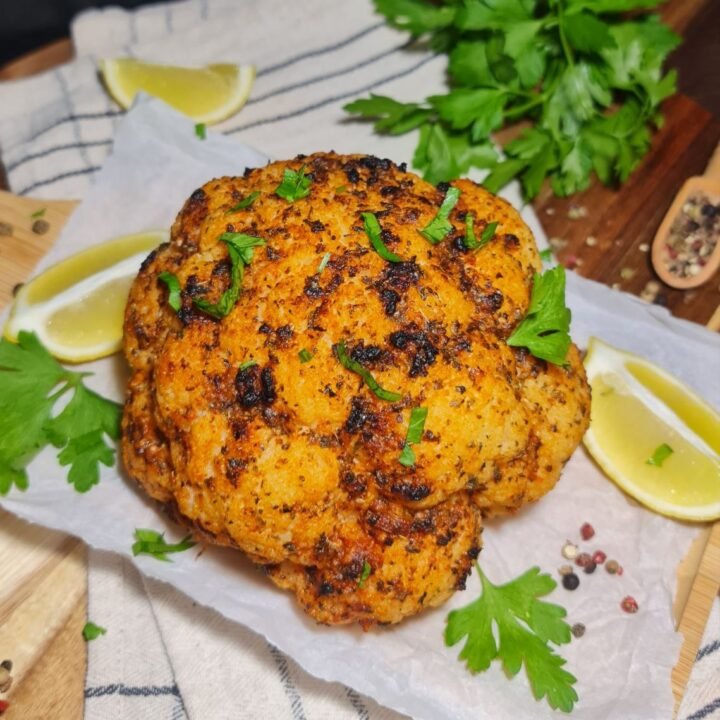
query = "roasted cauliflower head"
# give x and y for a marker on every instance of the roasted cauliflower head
(243, 421)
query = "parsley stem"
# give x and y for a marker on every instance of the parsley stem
(567, 50)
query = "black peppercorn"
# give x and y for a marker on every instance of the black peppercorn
(570, 581)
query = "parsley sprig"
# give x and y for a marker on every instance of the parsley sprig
(588, 79)
(295, 185)
(32, 383)
(91, 631)
(152, 542)
(524, 627)
(545, 329)
(246, 202)
(240, 249)
(488, 233)
(173, 285)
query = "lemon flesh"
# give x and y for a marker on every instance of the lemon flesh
(207, 95)
(76, 307)
(636, 407)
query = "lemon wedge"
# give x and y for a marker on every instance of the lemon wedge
(207, 95)
(76, 307)
(652, 435)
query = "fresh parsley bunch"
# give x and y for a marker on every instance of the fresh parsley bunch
(32, 383)
(588, 78)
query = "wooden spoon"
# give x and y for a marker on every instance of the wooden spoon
(707, 184)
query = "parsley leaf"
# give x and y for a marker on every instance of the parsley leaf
(349, 364)
(294, 185)
(660, 455)
(240, 250)
(305, 355)
(245, 203)
(201, 131)
(173, 286)
(436, 230)
(245, 365)
(31, 384)
(374, 232)
(418, 416)
(38, 213)
(151, 542)
(91, 631)
(488, 233)
(558, 67)
(544, 331)
(365, 574)
(524, 626)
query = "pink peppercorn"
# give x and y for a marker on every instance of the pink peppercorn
(587, 531)
(583, 560)
(629, 604)
(599, 557)
(620, 570)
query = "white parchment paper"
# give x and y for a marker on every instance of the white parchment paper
(623, 662)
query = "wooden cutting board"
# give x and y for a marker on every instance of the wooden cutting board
(43, 596)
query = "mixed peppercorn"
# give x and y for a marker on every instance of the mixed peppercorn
(589, 562)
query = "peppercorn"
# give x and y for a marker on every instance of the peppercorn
(620, 570)
(587, 531)
(629, 604)
(583, 560)
(40, 227)
(578, 630)
(4, 705)
(6, 229)
(565, 569)
(590, 567)
(599, 557)
(569, 550)
(612, 566)
(570, 581)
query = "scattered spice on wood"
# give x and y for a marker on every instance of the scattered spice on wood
(40, 227)
(693, 235)
(6, 229)
(577, 212)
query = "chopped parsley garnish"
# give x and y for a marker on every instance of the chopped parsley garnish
(414, 435)
(31, 383)
(509, 623)
(488, 233)
(374, 232)
(340, 189)
(544, 331)
(365, 574)
(240, 249)
(173, 286)
(305, 356)
(201, 131)
(245, 365)
(661, 454)
(349, 364)
(323, 262)
(546, 255)
(436, 230)
(151, 542)
(38, 213)
(91, 631)
(294, 185)
(246, 202)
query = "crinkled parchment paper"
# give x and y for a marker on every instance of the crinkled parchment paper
(623, 662)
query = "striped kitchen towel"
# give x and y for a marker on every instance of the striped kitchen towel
(164, 657)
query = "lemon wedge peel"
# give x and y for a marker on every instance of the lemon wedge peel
(83, 321)
(207, 95)
(687, 485)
